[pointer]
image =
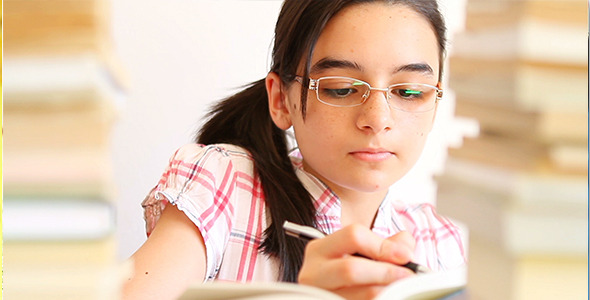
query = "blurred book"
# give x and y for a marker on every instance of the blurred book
(56, 26)
(492, 197)
(542, 126)
(527, 231)
(58, 121)
(60, 249)
(523, 154)
(519, 83)
(485, 15)
(532, 107)
(535, 30)
(60, 80)
(62, 92)
(63, 281)
(53, 219)
(520, 69)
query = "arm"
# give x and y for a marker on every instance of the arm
(328, 262)
(173, 257)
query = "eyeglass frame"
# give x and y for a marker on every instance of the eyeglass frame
(314, 84)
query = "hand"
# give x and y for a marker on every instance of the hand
(329, 262)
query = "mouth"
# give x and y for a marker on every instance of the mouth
(372, 155)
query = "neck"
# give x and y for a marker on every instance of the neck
(360, 208)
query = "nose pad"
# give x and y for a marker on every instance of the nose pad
(366, 95)
(386, 95)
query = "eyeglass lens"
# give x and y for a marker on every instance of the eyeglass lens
(412, 97)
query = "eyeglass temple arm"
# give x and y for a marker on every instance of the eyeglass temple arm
(439, 91)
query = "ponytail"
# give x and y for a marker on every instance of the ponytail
(244, 120)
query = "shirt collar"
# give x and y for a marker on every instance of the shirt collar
(326, 203)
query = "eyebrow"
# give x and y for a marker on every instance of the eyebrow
(416, 67)
(331, 63)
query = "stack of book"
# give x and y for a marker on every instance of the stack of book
(60, 102)
(521, 69)
(1, 136)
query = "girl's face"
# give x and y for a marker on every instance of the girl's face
(366, 148)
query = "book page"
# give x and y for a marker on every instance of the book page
(433, 285)
(256, 290)
(423, 286)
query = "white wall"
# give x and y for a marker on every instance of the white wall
(181, 56)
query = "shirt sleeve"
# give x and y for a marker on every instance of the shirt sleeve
(198, 181)
(439, 242)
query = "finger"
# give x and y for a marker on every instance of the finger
(353, 271)
(403, 237)
(397, 249)
(347, 241)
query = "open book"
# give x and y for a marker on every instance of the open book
(435, 285)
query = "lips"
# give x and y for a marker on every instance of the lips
(372, 155)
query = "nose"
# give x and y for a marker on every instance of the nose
(375, 114)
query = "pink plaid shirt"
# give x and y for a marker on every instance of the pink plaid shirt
(217, 188)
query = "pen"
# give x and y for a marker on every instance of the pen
(307, 234)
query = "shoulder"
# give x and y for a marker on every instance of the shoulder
(198, 174)
(194, 166)
(215, 156)
(194, 151)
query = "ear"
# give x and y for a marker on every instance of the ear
(278, 108)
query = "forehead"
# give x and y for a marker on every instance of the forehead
(379, 37)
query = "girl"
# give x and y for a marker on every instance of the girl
(359, 83)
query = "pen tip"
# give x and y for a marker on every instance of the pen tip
(422, 269)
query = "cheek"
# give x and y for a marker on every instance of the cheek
(328, 123)
(416, 128)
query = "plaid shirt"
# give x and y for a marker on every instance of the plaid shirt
(217, 188)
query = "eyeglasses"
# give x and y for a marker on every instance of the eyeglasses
(346, 92)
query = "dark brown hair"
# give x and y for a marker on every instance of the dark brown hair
(244, 120)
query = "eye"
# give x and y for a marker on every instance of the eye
(340, 93)
(408, 93)
(339, 88)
